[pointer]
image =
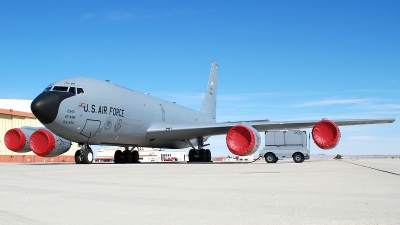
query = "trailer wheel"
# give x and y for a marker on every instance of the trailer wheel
(270, 158)
(298, 157)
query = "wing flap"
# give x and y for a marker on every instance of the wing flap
(186, 131)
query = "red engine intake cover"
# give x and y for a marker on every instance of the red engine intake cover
(243, 140)
(326, 134)
(15, 139)
(42, 142)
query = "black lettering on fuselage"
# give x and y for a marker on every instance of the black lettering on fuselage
(104, 110)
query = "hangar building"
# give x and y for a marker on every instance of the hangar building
(15, 113)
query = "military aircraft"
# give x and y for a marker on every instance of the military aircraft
(96, 112)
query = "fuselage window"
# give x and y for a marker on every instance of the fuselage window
(47, 89)
(80, 91)
(72, 90)
(60, 88)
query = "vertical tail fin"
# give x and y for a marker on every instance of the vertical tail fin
(210, 99)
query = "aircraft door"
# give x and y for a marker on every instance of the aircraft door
(91, 128)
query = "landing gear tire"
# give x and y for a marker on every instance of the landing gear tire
(78, 157)
(128, 156)
(135, 157)
(118, 155)
(192, 155)
(298, 158)
(270, 158)
(87, 156)
(208, 155)
(202, 155)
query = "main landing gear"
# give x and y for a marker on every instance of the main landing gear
(84, 155)
(200, 154)
(126, 156)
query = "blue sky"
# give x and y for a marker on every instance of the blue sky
(279, 60)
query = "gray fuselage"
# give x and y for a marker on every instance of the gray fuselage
(108, 114)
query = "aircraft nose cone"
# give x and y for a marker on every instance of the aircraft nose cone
(45, 106)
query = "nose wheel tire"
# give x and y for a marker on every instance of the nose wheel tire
(87, 156)
(78, 157)
(84, 156)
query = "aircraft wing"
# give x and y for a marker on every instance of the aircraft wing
(166, 132)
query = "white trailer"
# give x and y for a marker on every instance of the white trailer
(285, 144)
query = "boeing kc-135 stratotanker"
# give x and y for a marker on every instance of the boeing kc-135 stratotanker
(95, 112)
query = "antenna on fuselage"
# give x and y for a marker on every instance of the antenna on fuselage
(213, 61)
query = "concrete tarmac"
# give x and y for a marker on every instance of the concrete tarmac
(314, 192)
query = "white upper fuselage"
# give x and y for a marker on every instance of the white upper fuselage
(109, 114)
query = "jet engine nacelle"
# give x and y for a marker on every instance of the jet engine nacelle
(326, 134)
(17, 139)
(46, 144)
(243, 140)
(39, 140)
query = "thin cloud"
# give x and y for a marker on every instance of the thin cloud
(118, 15)
(126, 16)
(252, 96)
(365, 104)
(336, 102)
(189, 12)
(363, 138)
(373, 138)
(385, 106)
(88, 16)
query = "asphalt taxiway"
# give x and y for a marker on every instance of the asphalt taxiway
(314, 192)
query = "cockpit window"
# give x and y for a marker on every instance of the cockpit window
(72, 90)
(60, 88)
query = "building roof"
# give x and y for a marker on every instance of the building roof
(16, 113)
(22, 105)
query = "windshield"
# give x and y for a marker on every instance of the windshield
(72, 90)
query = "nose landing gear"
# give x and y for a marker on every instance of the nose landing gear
(84, 155)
